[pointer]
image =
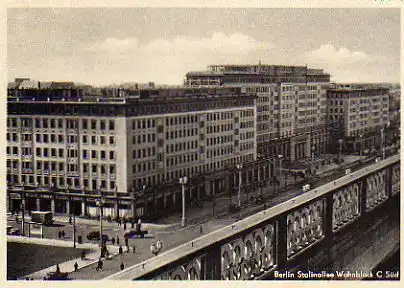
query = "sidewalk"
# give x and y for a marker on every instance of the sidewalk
(67, 266)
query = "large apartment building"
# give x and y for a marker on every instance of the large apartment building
(359, 113)
(122, 145)
(291, 104)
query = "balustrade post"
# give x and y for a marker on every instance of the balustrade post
(281, 242)
(213, 264)
(328, 226)
(363, 195)
(389, 181)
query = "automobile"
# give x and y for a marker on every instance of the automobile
(133, 233)
(13, 231)
(95, 235)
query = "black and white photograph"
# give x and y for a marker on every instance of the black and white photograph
(218, 143)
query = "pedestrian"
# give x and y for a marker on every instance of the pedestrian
(59, 234)
(63, 233)
(57, 269)
(201, 229)
(76, 266)
(83, 255)
(113, 240)
(117, 240)
(133, 223)
(133, 249)
(126, 241)
(120, 250)
(124, 225)
(122, 266)
(127, 251)
(159, 245)
(99, 265)
(119, 222)
(139, 225)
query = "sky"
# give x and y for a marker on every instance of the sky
(102, 46)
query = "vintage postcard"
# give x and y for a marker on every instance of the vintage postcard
(202, 143)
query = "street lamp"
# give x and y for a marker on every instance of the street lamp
(23, 210)
(340, 141)
(280, 157)
(312, 158)
(183, 182)
(360, 141)
(100, 204)
(239, 167)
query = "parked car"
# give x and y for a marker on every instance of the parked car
(133, 233)
(13, 231)
(95, 235)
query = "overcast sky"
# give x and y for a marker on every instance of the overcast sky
(105, 46)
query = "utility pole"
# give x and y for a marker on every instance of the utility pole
(239, 167)
(183, 182)
(23, 212)
(74, 226)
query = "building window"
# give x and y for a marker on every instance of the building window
(85, 140)
(102, 124)
(93, 154)
(45, 138)
(61, 152)
(60, 138)
(103, 155)
(111, 140)
(93, 140)
(111, 155)
(102, 140)
(93, 124)
(111, 125)
(85, 124)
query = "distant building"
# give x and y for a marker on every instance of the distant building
(291, 104)
(358, 112)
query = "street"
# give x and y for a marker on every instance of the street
(171, 234)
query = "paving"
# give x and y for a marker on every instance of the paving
(68, 266)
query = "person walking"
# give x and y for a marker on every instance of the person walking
(117, 240)
(133, 249)
(124, 225)
(139, 225)
(113, 240)
(120, 250)
(76, 267)
(126, 241)
(83, 255)
(99, 265)
(122, 266)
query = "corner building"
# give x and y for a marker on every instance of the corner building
(360, 114)
(67, 152)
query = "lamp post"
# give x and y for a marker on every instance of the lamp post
(312, 158)
(340, 141)
(280, 157)
(100, 204)
(239, 167)
(360, 141)
(183, 182)
(23, 211)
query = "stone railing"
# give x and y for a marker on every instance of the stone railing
(274, 239)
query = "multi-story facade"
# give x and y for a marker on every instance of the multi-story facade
(360, 113)
(123, 145)
(291, 104)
